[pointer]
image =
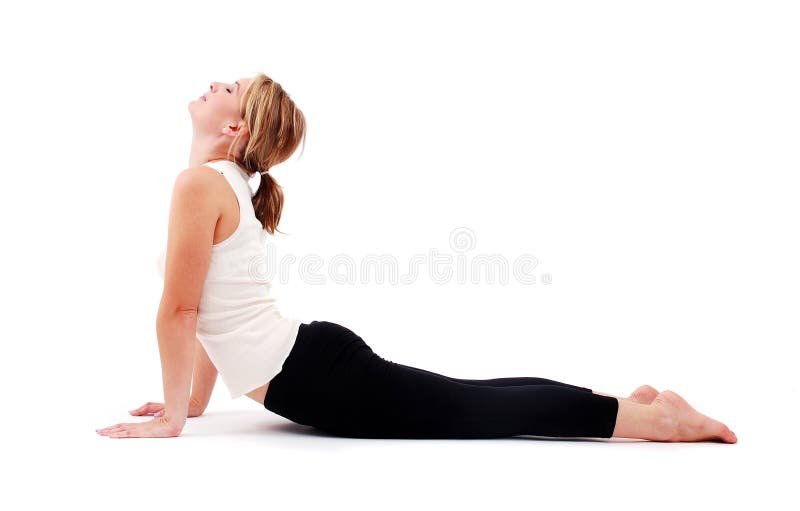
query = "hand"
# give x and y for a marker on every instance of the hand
(157, 409)
(159, 427)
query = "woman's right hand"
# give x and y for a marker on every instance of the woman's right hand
(157, 409)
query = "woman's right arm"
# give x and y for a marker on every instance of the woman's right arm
(204, 376)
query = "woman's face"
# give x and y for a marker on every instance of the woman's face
(217, 111)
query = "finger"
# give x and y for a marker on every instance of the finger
(137, 411)
(147, 408)
(128, 431)
(122, 428)
(155, 408)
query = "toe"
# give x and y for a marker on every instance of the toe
(718, 430)
(650, 389)
(729, 436)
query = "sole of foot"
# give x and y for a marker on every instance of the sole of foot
(682, 423)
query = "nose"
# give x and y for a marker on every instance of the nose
(213, 88)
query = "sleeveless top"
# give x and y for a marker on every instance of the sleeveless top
(238, 321)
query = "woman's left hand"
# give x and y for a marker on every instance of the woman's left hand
(159, 427)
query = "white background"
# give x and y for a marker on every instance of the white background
(645, 153)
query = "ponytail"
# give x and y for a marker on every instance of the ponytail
(268, 203)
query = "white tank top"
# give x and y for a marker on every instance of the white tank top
(238, 322)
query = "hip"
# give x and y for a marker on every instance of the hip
(328, 364)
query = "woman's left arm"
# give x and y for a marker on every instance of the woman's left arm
(194, 212)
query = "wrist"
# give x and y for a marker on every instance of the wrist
(195, 407)
(176, 422)
(175, 416)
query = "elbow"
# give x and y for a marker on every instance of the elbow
(177, 316)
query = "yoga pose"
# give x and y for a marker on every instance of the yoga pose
(217, 316)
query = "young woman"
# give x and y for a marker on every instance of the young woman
(217, 317)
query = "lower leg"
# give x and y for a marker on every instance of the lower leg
(412, 403)
(497, 382)
(644, 394)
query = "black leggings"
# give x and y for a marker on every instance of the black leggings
(333, 381)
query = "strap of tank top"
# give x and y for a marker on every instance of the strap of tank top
(232, 167)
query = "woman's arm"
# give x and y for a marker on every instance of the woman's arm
(203, 380)
(193, 216)
(194, 212)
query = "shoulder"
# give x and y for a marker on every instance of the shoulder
(198, 188)
(199, 183)
(197, 176)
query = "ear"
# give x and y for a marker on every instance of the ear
(234, 130)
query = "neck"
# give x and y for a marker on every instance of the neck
(203, 151)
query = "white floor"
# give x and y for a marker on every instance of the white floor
(245, 458)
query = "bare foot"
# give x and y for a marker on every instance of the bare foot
(644, 394)
(685, 424)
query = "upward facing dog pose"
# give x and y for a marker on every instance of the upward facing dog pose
(217, 317)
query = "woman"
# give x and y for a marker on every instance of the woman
(217, 317)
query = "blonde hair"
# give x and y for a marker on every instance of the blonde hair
(276, 128)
